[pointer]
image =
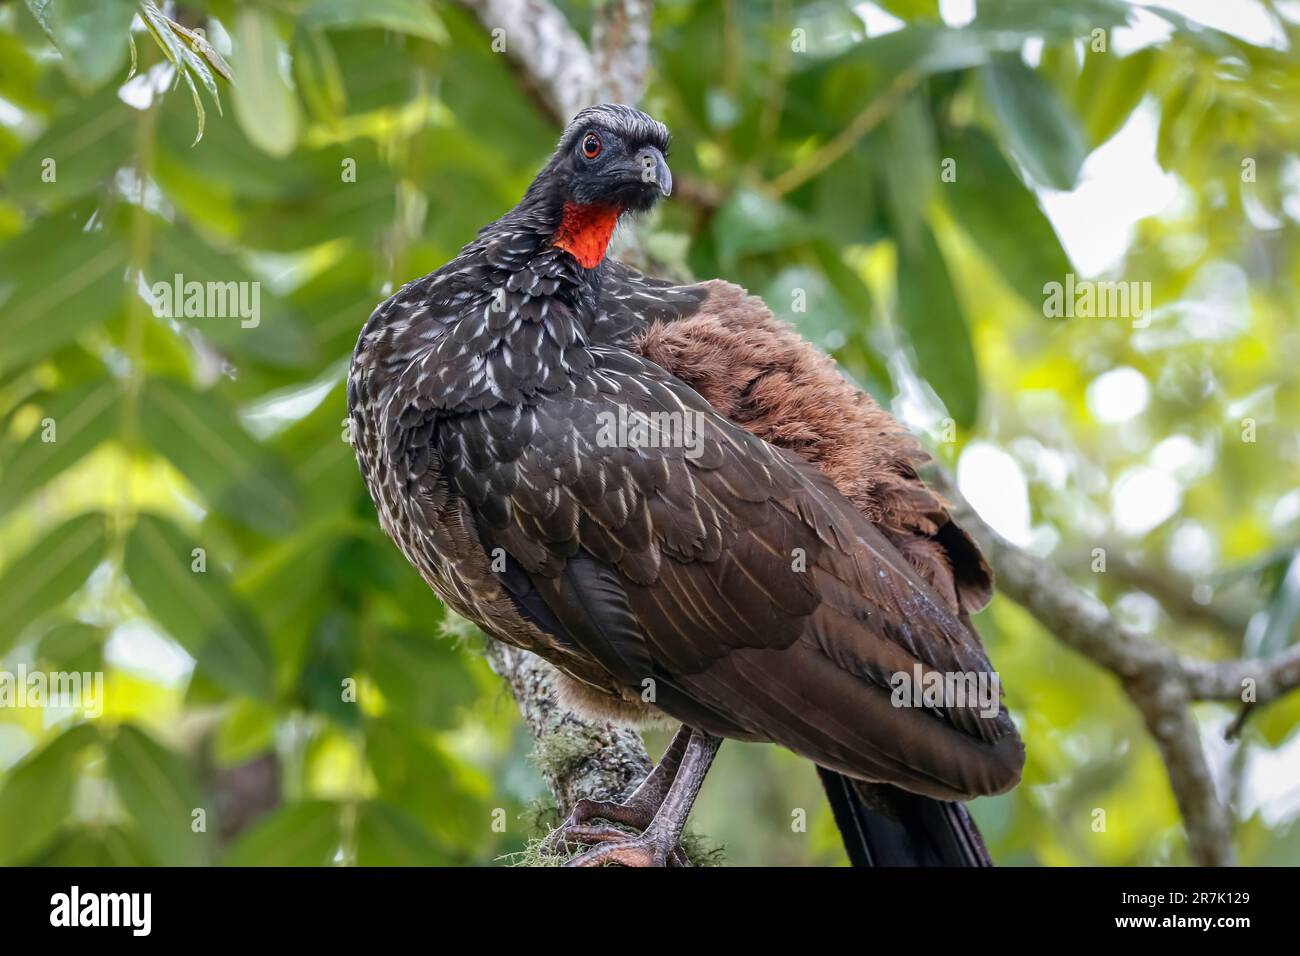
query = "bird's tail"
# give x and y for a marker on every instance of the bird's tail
(885, 826)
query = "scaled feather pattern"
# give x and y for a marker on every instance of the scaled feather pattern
(767, 580)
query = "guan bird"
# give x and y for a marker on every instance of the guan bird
(687, 510)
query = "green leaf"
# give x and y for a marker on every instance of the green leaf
(1215, 42)
(236, 475)
(516, 126)
(80, 420)
(252, 322)
(265, 107)
(323, 460)
(37, 794)
(858, 356)
(197, 608)
(912, 9)
(193, 41)
(69, 289)
(317, 74)
(822, 318)
(48, 573)
(73, 646)
(1110, 88)
(329, 207)
(387, 837)
(751, 222)
(930, 314)
(330, 660)
(290, 582)
(1281, 849)
(167, 41)
(926, 50)
(91, 35)
(304, 834)
(1182, 113)
(77, 153)
(225, 167)
(1275, 722)
(1002, 215)
(1042, 132)
(41, 11)
(247, 731)
(23, 81)
(838, 222)
(171, 37)
(423, 677)
(417, 776)
(910, 166)
(922, 49)
(97, 846)
(1283, 611)
(1063, 21)
(156, 788)
(400, 16)
(198, 105)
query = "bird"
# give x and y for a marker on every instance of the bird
(688, 510)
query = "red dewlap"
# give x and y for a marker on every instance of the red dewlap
(585, 231)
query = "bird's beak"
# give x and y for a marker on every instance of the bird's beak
(654, 169)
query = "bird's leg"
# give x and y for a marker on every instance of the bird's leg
(636, 810)
(657, 844)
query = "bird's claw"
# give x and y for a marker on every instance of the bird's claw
(609, 843)
(614, 846)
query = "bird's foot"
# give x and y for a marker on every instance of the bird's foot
(653, 847)
(612, 844)
(658, 808)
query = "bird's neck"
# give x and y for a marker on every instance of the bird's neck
(557, 221)
(584, 231)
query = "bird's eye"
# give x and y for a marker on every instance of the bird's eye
(591, 146)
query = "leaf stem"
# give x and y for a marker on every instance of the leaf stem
(862, 124)
(140, 244)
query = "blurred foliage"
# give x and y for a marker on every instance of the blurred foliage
(197, 530)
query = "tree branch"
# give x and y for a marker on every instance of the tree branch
(1162, 683)
(555, 64)
(871, 116)
(1175, 594)
(1227, 680)
(548, 54)
(578, 758)
(1166, 708)
(621, 38)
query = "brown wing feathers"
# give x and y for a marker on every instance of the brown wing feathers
(769, 586)
(760, 374)
(710, 598)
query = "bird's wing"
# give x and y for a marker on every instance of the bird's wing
(727, 576)
(629, 301)
(760, 373)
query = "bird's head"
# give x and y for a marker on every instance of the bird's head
(612, 159)
(613, 155)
